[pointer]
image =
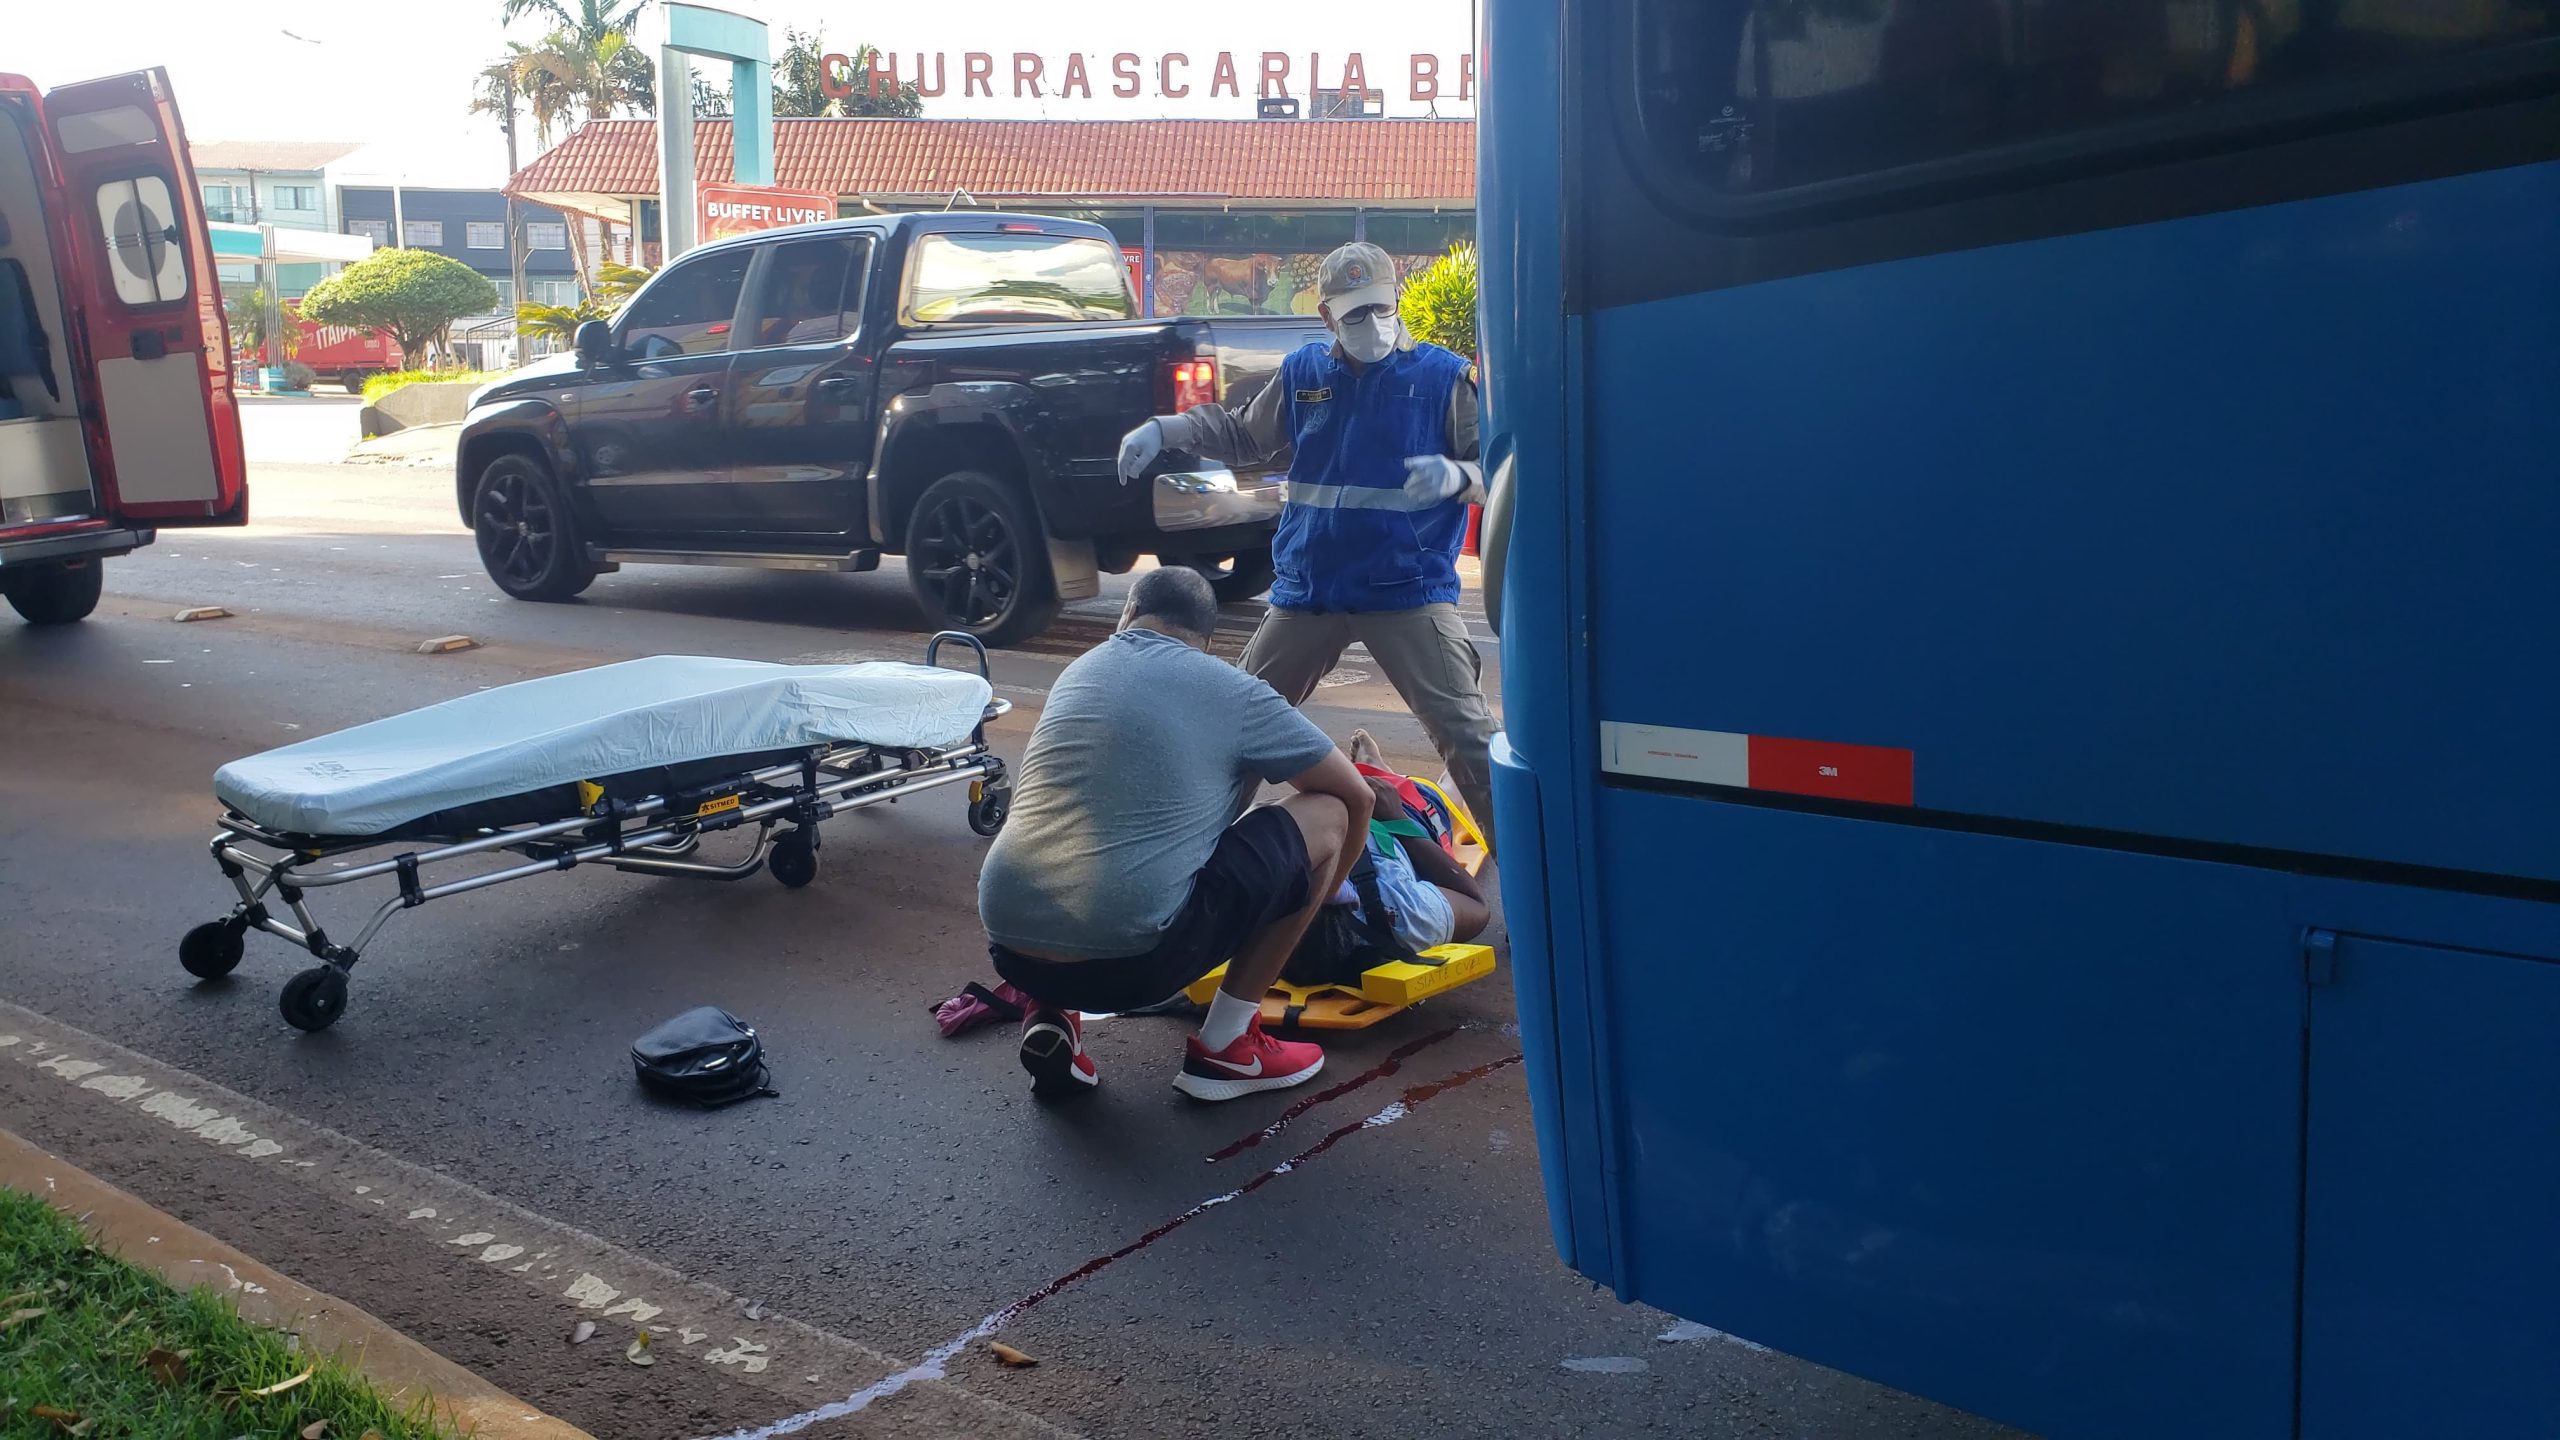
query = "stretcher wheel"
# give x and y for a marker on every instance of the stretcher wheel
(987, 812)
(314, 999)
(794, 860)
(211, 950)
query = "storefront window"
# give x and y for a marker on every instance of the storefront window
(1416, 238)
(1127, 227)
(1243, 262)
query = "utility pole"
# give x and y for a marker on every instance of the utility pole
(515, 228)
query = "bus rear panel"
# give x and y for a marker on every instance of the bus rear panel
(2030, 631)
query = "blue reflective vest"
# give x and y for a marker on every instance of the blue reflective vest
(1349, 540)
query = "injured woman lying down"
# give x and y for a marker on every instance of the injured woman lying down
(1430, 898)
(1408, 894)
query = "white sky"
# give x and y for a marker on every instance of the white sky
(390, 73)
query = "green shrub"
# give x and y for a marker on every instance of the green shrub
(411, 295)
(1440, 303)
(377, 386)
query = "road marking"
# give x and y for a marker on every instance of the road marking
(590, 1292)
(741, 1352)
(936, 1360)
(623, 1286)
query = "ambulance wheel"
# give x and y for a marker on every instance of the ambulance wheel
(525, 531)
(978, 560)
(57, 594)
(794, 860)
(987, 812)
(314, 999)
(212, 950)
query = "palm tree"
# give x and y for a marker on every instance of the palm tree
(247, 313)
(495, 94)
(614, 287)
(586, 67)
(587, 59)
(592, 20)
(567, 74)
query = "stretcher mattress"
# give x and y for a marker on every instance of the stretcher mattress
(670, 710)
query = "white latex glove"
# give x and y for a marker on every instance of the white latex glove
(1430, 479)
(1139, 449)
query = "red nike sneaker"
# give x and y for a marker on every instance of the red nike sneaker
(1053, 1051)
(1254, 1062)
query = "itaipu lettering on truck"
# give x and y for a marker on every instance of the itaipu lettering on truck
(1174, 73)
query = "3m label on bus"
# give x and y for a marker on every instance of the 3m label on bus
(1873, 774)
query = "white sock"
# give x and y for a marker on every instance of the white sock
(1227, 1018)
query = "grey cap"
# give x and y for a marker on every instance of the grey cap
(1355, 275)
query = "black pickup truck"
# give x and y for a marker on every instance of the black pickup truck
(947, 387)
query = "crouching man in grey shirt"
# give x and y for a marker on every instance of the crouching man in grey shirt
(1124, 873)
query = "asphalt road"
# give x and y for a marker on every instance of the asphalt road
(1395, 1279)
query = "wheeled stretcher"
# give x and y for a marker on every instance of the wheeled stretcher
(627, 766)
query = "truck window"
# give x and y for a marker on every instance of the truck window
(687, 310)
(811, 292)
(996, 277)
(140, 217)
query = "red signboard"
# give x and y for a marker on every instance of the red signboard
(725, 210)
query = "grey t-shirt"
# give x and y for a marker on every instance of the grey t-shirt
(1146, 750)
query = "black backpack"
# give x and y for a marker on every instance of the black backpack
(705, 1055)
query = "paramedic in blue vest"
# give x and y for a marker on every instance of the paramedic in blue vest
(1380, 437)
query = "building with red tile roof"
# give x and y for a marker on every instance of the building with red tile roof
(1177, 193)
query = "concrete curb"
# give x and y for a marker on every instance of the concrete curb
(418, 445)
(426, 402)
(187, 1257)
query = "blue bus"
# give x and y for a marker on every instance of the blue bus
(2027, 544)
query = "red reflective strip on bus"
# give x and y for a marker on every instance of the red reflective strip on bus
(1873, 774)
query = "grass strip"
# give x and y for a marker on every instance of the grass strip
(93, 1347)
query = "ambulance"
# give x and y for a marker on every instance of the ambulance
(117, 418)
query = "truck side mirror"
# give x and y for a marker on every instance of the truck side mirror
(593, 341)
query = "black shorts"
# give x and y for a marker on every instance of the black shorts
(1256, 878)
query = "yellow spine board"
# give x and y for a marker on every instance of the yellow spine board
(1383, 990)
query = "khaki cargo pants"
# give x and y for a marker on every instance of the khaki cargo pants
(1428, 658)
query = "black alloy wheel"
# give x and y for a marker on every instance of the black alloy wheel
(978, 561)
(528, 541)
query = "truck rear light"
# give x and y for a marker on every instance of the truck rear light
(1020, 229)
(1195, 382)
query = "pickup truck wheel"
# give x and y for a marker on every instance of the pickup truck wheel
(1234, 578)
(528, 539)
(979, 561)
(54, 594)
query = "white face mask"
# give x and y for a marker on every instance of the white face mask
(1370, 341)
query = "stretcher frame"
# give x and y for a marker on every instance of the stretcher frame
(657, 834)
